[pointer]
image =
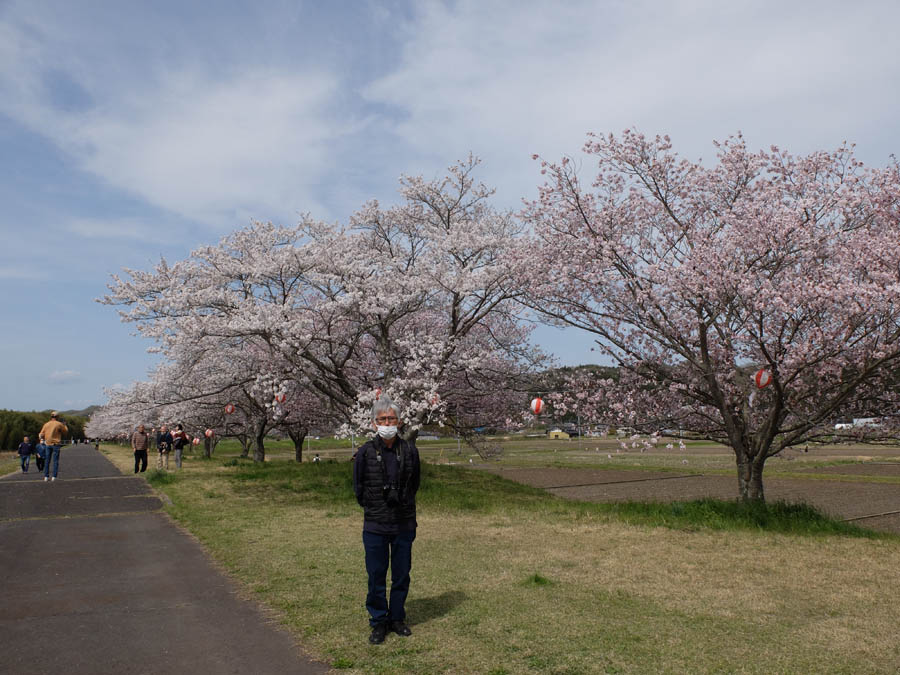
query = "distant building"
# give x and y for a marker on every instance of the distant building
(558, 433)
(858, 422)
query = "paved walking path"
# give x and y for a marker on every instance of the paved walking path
(98, 580)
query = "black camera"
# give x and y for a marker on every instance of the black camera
(392, 495)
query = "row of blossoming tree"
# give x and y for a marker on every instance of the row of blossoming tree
(693, 278)
(302, 327)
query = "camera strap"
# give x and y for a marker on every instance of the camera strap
(381, 463)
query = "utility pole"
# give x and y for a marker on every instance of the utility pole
(579, 432)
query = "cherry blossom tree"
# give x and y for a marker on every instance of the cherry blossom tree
(695, 277)
(300, 410)
(116, 420)
(428, 284)
(416, 300)
(201, 384)
(211, 316)
(240, 389)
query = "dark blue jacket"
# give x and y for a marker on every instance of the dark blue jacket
(376, 465)
(163, 441)
(26, 449)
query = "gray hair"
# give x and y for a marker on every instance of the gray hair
(383, 404)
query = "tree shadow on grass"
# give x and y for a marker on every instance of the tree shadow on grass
(422, 610)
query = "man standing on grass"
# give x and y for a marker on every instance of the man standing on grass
(385, 480)
(163, 446)
(52, 435)
(140, 442)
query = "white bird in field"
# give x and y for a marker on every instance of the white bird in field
(609, 456)
(684, 461)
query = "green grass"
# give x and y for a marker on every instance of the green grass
(330, 482)
(537, 579)
(158, 478)
(463, 490)
(460, 489)
(717, 514)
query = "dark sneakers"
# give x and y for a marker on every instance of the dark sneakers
(400, 628)
(378, 633)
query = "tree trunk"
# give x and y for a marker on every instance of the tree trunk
(298, 447)
(259, 449)
(246, 442)
(297, 436)
(207, 447)
(750, 481)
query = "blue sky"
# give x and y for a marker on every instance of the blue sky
(134, 130)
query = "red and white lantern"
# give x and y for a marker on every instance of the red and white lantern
(280, 398)
(378, 393)
(537, 404)
(196, 441)
(209, 433)
(229, 408)
(763, 378)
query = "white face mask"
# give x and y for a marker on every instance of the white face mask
(386, 432)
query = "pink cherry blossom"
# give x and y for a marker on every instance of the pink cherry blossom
(693, 277)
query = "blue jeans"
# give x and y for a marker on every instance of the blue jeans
(383, 550)
(52, 453)
(26, 460)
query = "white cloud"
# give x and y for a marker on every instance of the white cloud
(218, 128)
(64, 376)
(22, 271)
(510, 79)
(217, 139)
(83, 247)
(210, 150)
(128, 229)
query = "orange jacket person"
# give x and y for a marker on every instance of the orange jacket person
(52, 434)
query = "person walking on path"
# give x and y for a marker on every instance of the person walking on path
(40, 454)
(52, 434)
(179, 440)
(385, 480)
(140, 443)
(26, 448)
(163, 446)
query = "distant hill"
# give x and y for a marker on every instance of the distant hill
(555, 378)
(87, 412)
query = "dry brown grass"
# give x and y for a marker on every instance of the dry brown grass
(9, 463)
